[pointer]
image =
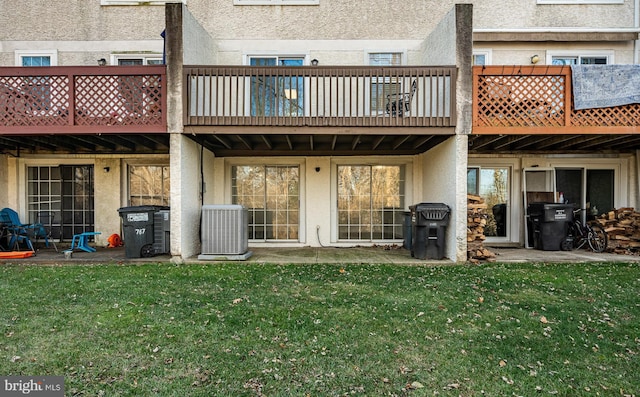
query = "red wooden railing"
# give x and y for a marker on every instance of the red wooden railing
(82, 99)
(538, 100)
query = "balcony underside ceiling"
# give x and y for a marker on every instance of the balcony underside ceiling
(573, 143)
(90, 144)
(230, 145)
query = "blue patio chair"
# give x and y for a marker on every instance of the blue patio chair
(17, 232)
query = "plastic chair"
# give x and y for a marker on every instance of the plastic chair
(17, 232)
(45, 222)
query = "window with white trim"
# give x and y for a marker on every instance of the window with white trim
(482, 57)
(139, 2)
(271, 194)
(36, 58)
(383, 86)
(371, 202)
(579, 60)
(135, 60)
(276, 2)
(149, 185)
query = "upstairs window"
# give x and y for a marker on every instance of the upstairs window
(383, 86)
(127, 60)
(579, 60)
(36, 58)
(276, 94)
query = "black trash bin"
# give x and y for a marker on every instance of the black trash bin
(138, 230)
(429, 222)
(548, 225)
(407, 243)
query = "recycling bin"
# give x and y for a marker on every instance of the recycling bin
(548, 225)
(138, 230)
(429, 222)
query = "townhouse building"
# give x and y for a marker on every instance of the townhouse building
(326, 119)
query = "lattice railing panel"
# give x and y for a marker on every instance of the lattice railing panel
(34, 100)
(538, 96)
(628, 116)
(521, 100)
(41, 99)
(118, 100)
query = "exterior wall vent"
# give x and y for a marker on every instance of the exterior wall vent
(224, 230)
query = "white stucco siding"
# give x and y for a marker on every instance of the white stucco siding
(4, 174)
(185, 197)
(444, 181)
(527, 13)
(520, 53)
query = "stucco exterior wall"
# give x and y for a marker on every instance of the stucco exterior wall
(439, 48)
(201, 49)
(4, 169)
(444, 176)
(520, 53)
(185, 197)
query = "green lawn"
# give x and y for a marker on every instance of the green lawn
(325, 330)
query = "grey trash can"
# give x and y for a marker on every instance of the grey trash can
(429, 222)
(138, 230)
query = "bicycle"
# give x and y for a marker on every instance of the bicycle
(580, 234)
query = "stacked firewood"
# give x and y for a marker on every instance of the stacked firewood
(623, 230)
(476, 221)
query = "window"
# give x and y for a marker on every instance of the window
(65, 190)
(371, 202)
(481, 57)
(383, 86)
(271, 194)
(578, 60)
(580, 57)
(139, 2)
(149, 185)
(136, 60)
(277, 95)
(276, 2)
(36, 58)
(492, 184)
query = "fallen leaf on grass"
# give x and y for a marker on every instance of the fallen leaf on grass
(502, 363)
(236, 301)
(544, 320)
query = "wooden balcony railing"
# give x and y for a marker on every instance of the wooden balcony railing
(81, 99)
(319, 96)
(538, 100)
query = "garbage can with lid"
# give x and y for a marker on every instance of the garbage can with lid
(138, 230)
(429, 222)
(549, 224)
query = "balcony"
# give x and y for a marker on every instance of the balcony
(82, 100)
(327, 98)
(537, 100)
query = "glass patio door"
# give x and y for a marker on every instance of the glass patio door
(276, 94)
(492, 184)
(67, 192)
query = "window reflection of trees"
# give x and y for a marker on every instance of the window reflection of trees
(149, 185)
(370, 202)
(271, 195)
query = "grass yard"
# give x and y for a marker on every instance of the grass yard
(325, 330)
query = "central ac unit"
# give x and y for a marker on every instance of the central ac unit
(224, 230)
